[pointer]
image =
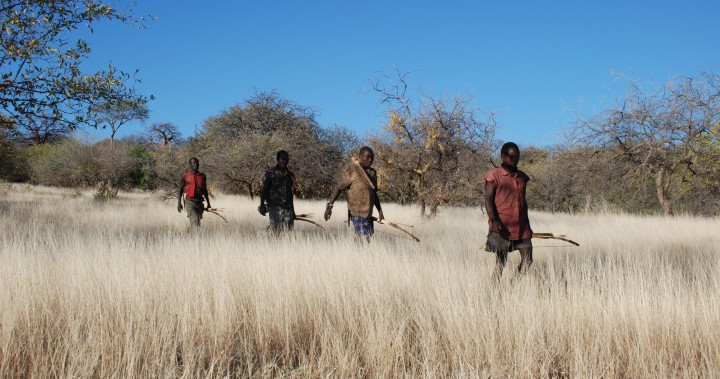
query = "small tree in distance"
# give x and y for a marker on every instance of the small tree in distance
(163, 134)
(114, 114)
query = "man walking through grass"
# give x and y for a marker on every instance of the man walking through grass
(360, 181)
(193, 184)
(509, 225)
(276, 195)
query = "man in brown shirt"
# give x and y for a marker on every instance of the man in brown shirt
(509, 226)
(360, 181)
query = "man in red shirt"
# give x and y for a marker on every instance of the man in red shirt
(193, 184)
(509, 226)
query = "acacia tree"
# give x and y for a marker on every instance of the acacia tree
(41, 75)
(433, 153)
(114, 114)
(662, 133)
(164, 133)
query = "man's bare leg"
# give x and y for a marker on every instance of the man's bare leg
(500, 261)
(525, 259)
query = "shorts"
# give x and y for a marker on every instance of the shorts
(281, 218)
(194, 209)
(496, 244)
(363, 226)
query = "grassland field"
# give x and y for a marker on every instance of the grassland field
(122, 289)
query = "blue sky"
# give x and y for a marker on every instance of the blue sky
(535, 64)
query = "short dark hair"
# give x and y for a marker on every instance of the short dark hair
(505, 149)
(281, 153)
(193, 159)
(364, 149)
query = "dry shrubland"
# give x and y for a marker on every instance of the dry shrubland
(122, 289)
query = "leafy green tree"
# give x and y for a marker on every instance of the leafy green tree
(68, 163)
(41, 73)
(15, 166)
(238, 145)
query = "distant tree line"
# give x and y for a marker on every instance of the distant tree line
(651, 152)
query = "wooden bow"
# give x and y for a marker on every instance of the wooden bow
(552, 236)
(396, 226)
(303, 217)
(363, 173)
(216, 212)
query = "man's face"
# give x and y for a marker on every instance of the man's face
(366, 159)
(194, 165)
(511, 159)
(282, 161)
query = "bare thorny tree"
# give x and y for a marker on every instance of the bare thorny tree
(666, 134)
(432, 153)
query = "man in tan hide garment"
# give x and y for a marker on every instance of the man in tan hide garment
(360, 181)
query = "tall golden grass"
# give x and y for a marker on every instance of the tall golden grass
(122, 289)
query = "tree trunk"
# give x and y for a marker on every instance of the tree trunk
(662, 192)
(422, 208)
(250, 191)
(433, 210)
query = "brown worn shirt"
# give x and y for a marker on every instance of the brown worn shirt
(510, 202)
(361, 186)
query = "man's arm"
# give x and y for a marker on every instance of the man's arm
(331, 201)
(490, 207)
(181, 187)
(381, 216)
(345, 183)
(206, 193)
(264, 191)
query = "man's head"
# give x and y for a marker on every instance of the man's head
(366, 156)
(510, 155)
(194, 164)
(282, 159)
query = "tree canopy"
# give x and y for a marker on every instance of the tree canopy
(240, 143)
(41, 75)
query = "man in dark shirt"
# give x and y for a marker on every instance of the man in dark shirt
(193, 184)
(276, 195)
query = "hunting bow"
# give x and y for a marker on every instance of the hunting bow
(364, 174)
(552, 236)
(216, 212)
(396, 226)
(303, 217)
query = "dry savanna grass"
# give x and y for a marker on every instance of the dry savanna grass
(122, 289)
